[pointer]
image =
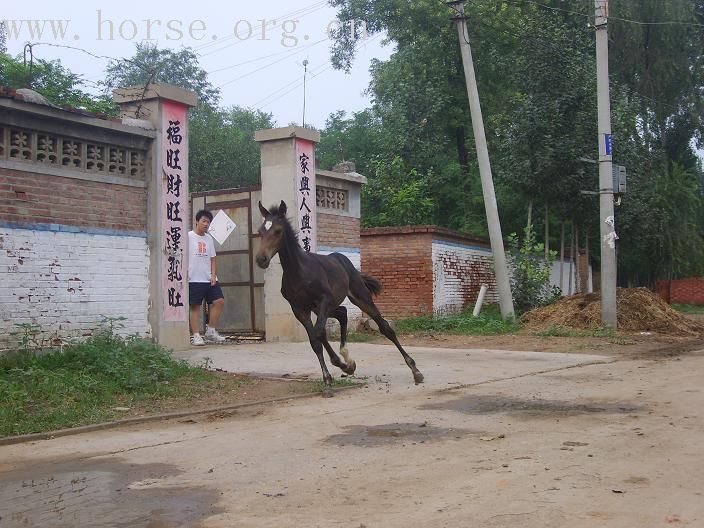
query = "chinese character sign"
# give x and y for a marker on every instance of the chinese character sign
(174, 204)
(305, 195)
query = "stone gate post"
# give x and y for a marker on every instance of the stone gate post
(288, 174)
(165, 107)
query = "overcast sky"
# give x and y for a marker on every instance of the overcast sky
(253, 68)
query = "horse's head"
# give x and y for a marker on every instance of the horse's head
(272, 233)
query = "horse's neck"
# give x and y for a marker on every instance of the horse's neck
(290, 255)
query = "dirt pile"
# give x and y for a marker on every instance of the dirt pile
(639, 310)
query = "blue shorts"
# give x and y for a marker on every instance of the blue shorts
(197, 291)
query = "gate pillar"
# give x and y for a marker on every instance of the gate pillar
(165, 107)
(288, 174)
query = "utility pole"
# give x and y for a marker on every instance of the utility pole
(492, 212)
(606, 186)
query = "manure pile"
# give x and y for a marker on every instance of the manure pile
(639, 310)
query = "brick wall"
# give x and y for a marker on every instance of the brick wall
(73, 223)
(401, 259)
(337, 231)
(31, 198)
(459, 271)
(682, 291)
(64, 281)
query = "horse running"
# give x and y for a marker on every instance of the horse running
(319, 284)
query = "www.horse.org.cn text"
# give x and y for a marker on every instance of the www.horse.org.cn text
(288, 32)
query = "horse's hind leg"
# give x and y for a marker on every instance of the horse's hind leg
(340, 313)
(363, 299)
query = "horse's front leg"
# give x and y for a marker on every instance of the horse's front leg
(317, 345)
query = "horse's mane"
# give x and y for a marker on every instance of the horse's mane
(291, 247)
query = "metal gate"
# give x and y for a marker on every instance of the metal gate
(242, 282)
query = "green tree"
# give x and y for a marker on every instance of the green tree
(354, 138)
(223, 151)
(150, 64)
(396, 196)
(51, 79)
(530, 272)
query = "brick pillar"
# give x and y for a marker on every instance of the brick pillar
(165, 107)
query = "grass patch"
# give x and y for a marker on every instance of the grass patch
(688, 308)
(84, 383)
(487, 323)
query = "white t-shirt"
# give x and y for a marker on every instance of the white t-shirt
(200, 250)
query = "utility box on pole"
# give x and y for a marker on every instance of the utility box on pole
(619, 177)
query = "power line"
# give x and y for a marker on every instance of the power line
(262, 28)
(266, 66)
(287, 52)
(298, 82)
(654, 23)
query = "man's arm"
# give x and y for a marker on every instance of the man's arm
(213, 271)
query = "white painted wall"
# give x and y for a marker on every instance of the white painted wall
(452, 276)
(354, 314)
(63, 282)
(568, 279)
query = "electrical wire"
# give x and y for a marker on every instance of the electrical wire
(298, 82)
(301, 50)
(287, 52)
(261, 30)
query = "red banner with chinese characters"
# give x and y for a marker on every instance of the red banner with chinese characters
(174, 209)
(305, 195)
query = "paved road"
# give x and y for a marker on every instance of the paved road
(492, 439)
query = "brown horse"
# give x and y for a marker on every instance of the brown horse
(319, 284)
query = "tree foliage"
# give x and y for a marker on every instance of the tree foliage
(51, 79)
(150, 65)
(530, 272)
(223, 153)
(535, 66)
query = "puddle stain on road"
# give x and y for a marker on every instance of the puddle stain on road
(101, 493)
(473, 404)
(380, 435)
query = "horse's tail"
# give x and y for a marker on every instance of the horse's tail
(372, 284)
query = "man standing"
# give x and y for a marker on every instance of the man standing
(203, 281)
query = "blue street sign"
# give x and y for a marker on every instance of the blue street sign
(607, 144)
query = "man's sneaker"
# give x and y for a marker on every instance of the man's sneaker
(212, 336)
(197, 340)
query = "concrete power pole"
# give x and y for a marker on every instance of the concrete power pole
(606, 190)
(492, 212)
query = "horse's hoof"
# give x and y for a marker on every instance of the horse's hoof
(418, 377)
(328, 392)
(351, 367)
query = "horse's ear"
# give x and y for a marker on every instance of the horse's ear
(263, 210)
(282, 208)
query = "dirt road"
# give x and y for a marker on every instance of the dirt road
(492, 439)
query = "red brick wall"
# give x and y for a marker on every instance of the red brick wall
(29, 198)
(401, 260)
(338, 231)
(462, 266)
(682, 291)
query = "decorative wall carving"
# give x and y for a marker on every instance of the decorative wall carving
(19, 144)
(330, 198)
